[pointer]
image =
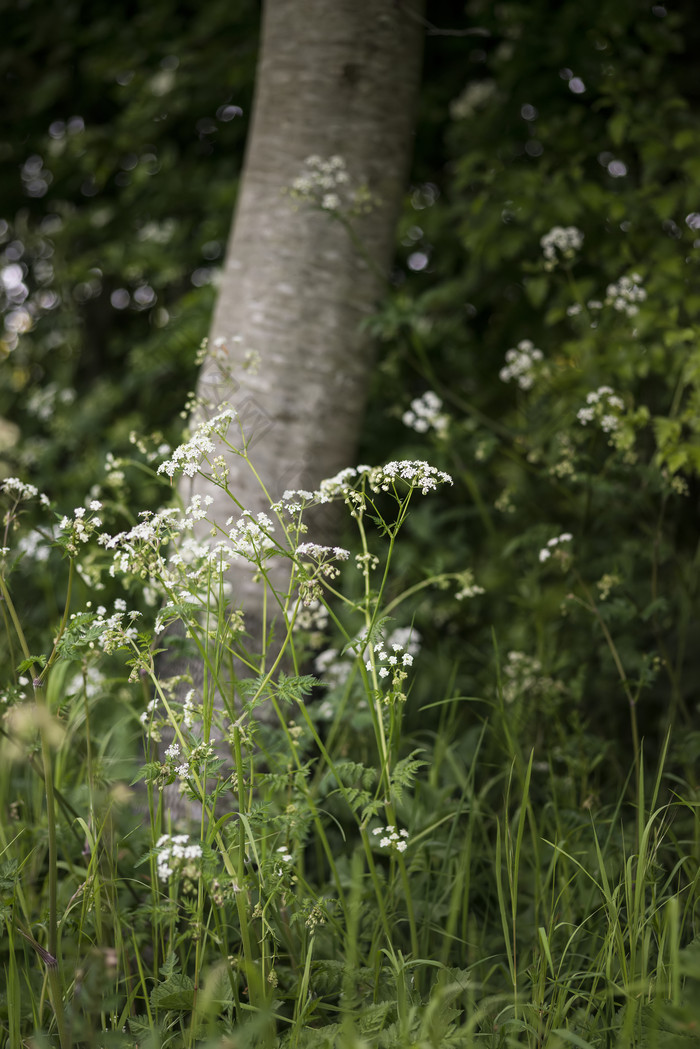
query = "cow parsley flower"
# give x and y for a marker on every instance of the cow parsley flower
(560, 244)
(19, 489)
(522, 676)
(416, 473)
(604, 407)
(468, 588)
(625, 294)
(392, 839)
(322, 553)
(547, 551)
(391, 658)
(188, 457)
(521, 364)
(425, 413)
(189, 710)
(175, 854)
(251, 537)
(326, 184)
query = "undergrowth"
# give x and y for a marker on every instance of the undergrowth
(285, 857)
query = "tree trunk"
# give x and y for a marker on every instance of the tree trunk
(336, 78)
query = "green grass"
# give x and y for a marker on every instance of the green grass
(511, 919)
(357, 873)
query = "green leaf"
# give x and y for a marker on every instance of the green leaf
(404, 773)
(677, 458)
(170, 966)
(617, 127)
(29, 662)
(295, 688)
(141, 1026)
(371, 1020)
(177, 992)
(654, 607)
(537, 289)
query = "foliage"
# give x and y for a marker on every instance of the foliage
(117, 198)
(324, 885)
(562, 130)
(488, 834)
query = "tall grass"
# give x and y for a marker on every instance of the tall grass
(343, 876)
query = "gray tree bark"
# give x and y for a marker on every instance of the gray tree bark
(335, 78)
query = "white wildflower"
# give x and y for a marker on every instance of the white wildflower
(327, 184)
(625, 295)
(521, 364)
(604, 407)
(425, 413)
(188, 457)
(175, 853)
(561, 243)
(547, 551)
(321, 553)
(391, 838)
(468, 588)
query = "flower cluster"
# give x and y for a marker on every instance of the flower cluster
(147, 720)
(314, 618)
(625, 294)
(561, 243)
(138, 551)
(98, 629)
(190, 710)
(522, 676)
(468, 588)
(284, 856)
(176, 854)
(312, 575)
(393, 839)
(19, 490)
(114, 474)
(327, 185)
(602, 406)
(172, 756)
(521, 364)
(188, 457)
(547, 551)
(252, 536)
(42, 402)
(348, 485)
(425, 412)
(606, 584)
(36, 546)
(390, 659)
(316, 916)
(81, 526)
(416, 473)
(161, 550)
(322, 554)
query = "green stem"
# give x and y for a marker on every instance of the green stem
(54, 971)
(591, 606)
(43, 713)
(15, 622)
